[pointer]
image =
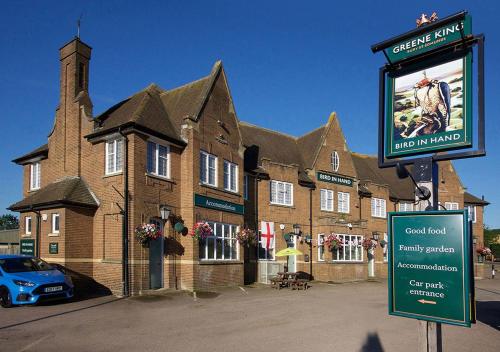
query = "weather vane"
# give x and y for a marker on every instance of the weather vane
(424, 20)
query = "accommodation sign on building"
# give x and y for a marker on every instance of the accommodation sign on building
(430, 40)
(340, 180)
(27, 247)
(217, 204)
(429, 269)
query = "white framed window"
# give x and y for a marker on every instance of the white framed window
(451, 205)
(222, 245)
(405, 206)
(35, 176)
(281, 193)
(352, 251)
(27, 225)
(378, 208)
(326, 200)
(208, 169)
(114, 156)
(385, 251)
(472, 212)
(343, 202)
(335, 161)
(230, 176)
(158, 162)
(55, 223)
(321, 247)
(245, 187)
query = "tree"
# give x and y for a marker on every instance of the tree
(8, 222)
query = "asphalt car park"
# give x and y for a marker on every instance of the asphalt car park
(326, 317)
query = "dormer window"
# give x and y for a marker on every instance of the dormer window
(335, 161)
(35, 176)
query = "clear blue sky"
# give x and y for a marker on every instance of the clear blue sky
(289, 64)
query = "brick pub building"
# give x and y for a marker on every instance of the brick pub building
(184, 150)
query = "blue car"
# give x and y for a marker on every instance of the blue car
(28, 280)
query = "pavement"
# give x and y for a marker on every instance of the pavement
(327, 317)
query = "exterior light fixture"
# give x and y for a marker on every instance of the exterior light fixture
(375, 236)
(474, 240)
(164, 212)
(296, 229)
(282, 227)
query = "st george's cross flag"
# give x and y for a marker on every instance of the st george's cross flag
(267, 234)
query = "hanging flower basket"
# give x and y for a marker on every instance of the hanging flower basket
(246, 237)
(333, 242)
(201, 230)
(146, 233)
(369, 244)
(483, 251)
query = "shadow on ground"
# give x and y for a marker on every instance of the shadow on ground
(372, 344)
(488, 312)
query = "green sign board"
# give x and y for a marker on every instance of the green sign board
(429, 268)
(429, 107)
(27, 247)
(429, 40)
(218, 204)
(332, 178)
(53, 248)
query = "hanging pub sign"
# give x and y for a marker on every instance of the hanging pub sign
(425, 92)
(429, 108)
(429, 266)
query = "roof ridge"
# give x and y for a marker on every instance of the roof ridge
(269, 130)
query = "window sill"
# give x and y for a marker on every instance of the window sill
(26, 235)
(379, 217)
(347, 261)
(158, 177)
(219, 261)
(113, 174)
(282, 205)
(53, 234)
(31, 190)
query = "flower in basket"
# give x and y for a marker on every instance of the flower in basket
(483, 251)
(368, 244)
(333, 242)
(147, 232)
(201, 230)
(246, 237)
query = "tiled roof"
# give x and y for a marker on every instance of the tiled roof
(66, 191)
(40, 151)
(368, 170)
(472, 199)
(158, 110)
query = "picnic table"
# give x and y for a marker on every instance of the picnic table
(288, 279)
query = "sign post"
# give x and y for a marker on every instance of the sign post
(425, 107)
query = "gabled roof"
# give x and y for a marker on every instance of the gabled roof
(66, 191)
(472, 199)
(159, 111)
(309, 145)
(368, 171)
(40, 152)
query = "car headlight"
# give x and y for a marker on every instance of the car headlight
(24, 283)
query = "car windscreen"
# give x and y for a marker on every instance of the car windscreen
(20, 265)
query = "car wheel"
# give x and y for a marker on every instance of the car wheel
(5, 298)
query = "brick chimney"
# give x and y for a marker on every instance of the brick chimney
(74, 114)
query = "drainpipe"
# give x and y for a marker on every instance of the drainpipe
(37, 231)
(311, 233)
(125, 266)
